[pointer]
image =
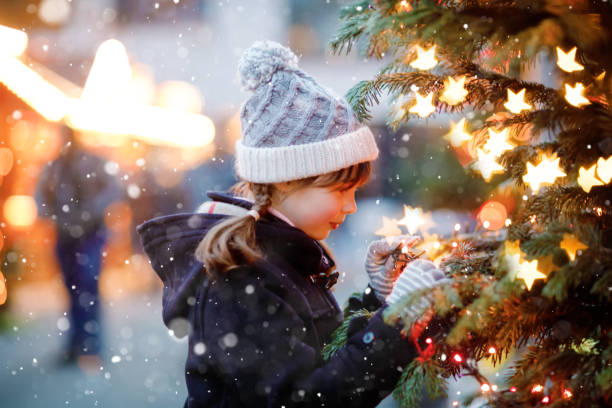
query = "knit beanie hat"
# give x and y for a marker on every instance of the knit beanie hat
(293, 127)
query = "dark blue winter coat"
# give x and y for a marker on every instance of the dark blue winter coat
(256, 334)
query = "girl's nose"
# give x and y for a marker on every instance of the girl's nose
(350, 206)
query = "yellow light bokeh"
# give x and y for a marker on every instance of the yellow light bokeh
(486, 164)
(20, 210)
(544, 173)
(454, 91)
(423, 106)
(516, 102)
(567, 60)
(604, 169)
(3, 291)
(587, 179)
(458, 133)
(110, 74)
(498, 142)
(180, 95)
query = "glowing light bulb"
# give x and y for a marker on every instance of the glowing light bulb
(457, 358)
(567, 61)
(497, 143)
(454, 91)
(516, 102)
(424, 106)
(486, 164)
(492, 350)
(575, 96)
(529, 273)
(604, 169)
(414, 219)
(426, 59)
(571, 244)
(537, 388)
(485, 387)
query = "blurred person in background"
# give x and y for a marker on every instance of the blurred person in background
(74, 191)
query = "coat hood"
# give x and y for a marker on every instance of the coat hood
(170, 243)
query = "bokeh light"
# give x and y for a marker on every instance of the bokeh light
(20, 210)
(492, 215)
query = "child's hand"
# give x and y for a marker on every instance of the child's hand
(381, 266)
(419, 274)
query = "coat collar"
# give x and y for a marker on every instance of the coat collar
(276, 237)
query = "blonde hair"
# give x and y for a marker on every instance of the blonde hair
(231, 242)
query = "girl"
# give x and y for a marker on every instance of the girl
(247, 277)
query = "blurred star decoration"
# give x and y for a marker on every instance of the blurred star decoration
(486, 164)
(604, 169)
(517, 267)
(415, 220)
(587, 179)
(571, 244)
(424, 106)
(458, 133)
(529, 273)
(454, 91)
(498, 143)
(389, 229)
(544, 173)
(567, 61)
(516, 102)
(575, 95)
(426, 59)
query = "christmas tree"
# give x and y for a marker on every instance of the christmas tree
(542, 289)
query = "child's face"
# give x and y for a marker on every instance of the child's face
(318, 210)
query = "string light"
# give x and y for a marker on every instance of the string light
(545, 173)
(604, 169)
(454, 91)
(414, 219)
(497, 143)
(485, 387)
(571, 244)
(567, 61)
(537, 388)
(426, 59)
(587, 179)
(529, 273)
(492, 350)
(458, 134)
(486, 164)
(457, 357)
(423, 106)
(575, 95)
(516, 102)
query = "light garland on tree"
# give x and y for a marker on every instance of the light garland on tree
(575, 95)
(389, 229)
(426, 59)
(423, 106)
(458, 134)
(487, 164)
(545, 173)
(567, 61)
(498, 142)
(516, 102)
(571, 244)
(414, 219)
(587, 179)
(454, 91)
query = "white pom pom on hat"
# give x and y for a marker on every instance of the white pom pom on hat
(260, 61)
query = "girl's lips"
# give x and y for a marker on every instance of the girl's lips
(334, 225)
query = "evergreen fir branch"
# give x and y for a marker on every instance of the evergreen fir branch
(340, 335)
(416, 377)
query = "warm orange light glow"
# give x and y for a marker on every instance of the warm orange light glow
(575, 96)
(587, 179)
(516, 102)
(567, 61)
(20, 210)
(13, 42)
(6, 161)
(485, 387)
(3, 291)
(33, 89)
(423, 106)
(545, 173)
(492, 350)
(537, 388)
(492, 215)
(454, 91)
(426, 59)
(458, 133)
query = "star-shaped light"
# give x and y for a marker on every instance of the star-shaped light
(389, 229)
(486, 164)
(497, 143)
(567, 61)
(512, 257)
(587, 180)
(529, 272)
(457, 134)
(572, 245)
(604, 169)
(575, 96)
(545, 173)
(601, 76)
(414, 219)
(423, 106)
(516, 102)
(426, 59)
(454, 91)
